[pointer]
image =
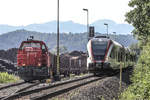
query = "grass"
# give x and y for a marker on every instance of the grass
(6, 78)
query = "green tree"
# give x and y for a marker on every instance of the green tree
(140, 87)
(139, 17)
(134, 46)
(63, 49)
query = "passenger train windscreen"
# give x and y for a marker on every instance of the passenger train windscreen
(99, 49)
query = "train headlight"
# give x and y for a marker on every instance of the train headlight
(106, 58)
(39, 64)
(23, 64)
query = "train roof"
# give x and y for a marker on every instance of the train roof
(103, 38)
(100, 39)
(116, 43)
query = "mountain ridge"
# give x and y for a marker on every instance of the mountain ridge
(70, 41)
(70, 26)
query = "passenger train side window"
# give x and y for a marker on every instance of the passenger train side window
(122, 57)
(119, 56)
(112, 55)
(126, 57)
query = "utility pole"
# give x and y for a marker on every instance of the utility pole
(107, 27)
(114, 35)
(87, 22)
(58, 63)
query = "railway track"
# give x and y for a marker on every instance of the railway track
(53, 90)
(41, 92)
(30, 93)
(11, 89)
(10, 85)
(47, 94)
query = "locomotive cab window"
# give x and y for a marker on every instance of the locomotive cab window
(43, 48)
(35, 45)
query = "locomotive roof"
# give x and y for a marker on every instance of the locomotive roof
(35, 41)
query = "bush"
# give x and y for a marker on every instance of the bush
(140, 89)
(6, 78)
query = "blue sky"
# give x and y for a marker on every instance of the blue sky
(24, 12)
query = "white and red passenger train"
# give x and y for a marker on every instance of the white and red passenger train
(105, 53)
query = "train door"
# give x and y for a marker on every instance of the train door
(44, 55)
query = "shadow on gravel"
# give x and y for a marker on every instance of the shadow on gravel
(126, 74)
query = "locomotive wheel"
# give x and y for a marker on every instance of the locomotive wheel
(94, 73)
(42, 80)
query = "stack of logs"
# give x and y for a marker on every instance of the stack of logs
(8, 66)
(10, 54)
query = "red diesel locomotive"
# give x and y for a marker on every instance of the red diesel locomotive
(33, 60)
(36, 63)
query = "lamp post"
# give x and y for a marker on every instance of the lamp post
(58, 66)
(107, 27)
(87, 21)
(115, 35)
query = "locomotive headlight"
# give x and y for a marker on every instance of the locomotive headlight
(23, 64)
(39, 64)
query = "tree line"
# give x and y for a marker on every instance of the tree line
(139, 17)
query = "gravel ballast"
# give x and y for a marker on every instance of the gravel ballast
(107, 88)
